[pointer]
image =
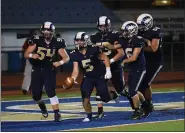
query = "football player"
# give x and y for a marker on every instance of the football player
(133, 48)
(153, 54)
(105, 34)
(40, 52)
(96, 68)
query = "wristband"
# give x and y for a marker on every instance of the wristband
(61, 62)
(107, 68)
(30, 55)
(111, 60)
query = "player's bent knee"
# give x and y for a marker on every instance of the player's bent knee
(54, 100)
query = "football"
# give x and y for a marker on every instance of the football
(68, 83)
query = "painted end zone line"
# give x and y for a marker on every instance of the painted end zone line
(120, 125)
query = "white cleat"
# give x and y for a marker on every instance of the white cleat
(86, 119)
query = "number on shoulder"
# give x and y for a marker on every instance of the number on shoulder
(155, 28)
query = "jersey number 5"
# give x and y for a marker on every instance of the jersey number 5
(86, 65)
(41, 51)
(128, 52)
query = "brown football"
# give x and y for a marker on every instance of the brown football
(68, 83)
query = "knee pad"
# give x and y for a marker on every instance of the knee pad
(98, 99)
(54, 100)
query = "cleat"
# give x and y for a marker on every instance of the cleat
(45, 114)
(57, 117)
(24, 92)
(136, 115)
(99, 115)
(117, 99)
(147, 109)
(86, 119)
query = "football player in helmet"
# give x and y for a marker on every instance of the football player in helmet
(153, 54)
(41, 51)
(106, 35)
(133, 48)
(96, 68)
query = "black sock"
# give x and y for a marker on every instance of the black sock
(42, 106)
(115, 94)
(149, 101)
(89, 115)
(56, 111)
(136, 109)
(100, 110)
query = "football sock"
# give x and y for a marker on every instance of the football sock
(56, 111)
(42, 106)
(100, 110)
(89, 115)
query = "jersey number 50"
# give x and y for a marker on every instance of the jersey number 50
(41, 51)
(87, 66)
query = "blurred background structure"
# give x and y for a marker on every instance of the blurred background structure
(71, 16)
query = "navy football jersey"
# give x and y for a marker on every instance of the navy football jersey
(153, 33)
(110, 37)
(135, 42)
(46, 51)
(89, 62)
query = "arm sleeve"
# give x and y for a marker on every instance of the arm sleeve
(61, 44)
(157, 33)
(139, 43)
(72, 56)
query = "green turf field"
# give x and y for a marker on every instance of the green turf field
(177, 125)
(172, 126)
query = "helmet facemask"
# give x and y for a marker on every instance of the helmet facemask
(81, 41)
(48, 30)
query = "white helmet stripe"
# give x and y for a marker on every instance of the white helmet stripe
(79, 35)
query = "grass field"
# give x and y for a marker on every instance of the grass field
(171, 125)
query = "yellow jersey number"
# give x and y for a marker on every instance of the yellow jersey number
(41, 52)
(86, 65)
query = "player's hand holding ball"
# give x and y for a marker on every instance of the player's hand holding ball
(69, 82)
